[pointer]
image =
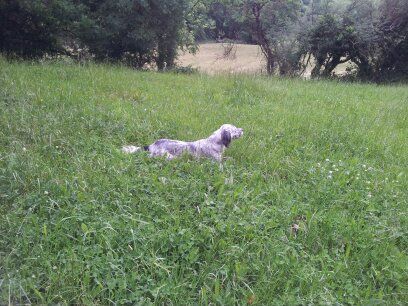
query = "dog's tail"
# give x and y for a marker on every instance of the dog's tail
(134, 149)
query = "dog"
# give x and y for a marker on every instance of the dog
(212, 147)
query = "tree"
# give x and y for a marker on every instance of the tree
(118, 30)
(168, 17)
(392, 62)
(362, 17)
(140, 31)
(134, 31)
(30, 29)
(228, 22)
(272, 25)
(372, 36)
(281, 21)
(330, 43)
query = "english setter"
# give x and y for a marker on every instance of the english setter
(213, 146)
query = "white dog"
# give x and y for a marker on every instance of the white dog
(212, 146)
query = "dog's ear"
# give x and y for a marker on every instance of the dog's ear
(225, 138)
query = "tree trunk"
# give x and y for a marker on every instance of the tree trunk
(316, 69)
(262, 39)
(331, 65)
(166, 50)
(160, 61)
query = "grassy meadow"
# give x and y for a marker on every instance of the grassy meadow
(309, 206)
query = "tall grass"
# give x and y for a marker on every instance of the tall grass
(309, 207)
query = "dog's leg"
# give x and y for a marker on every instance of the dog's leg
(170, 156)
(218, 157)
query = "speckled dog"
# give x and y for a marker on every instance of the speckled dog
(212, 146)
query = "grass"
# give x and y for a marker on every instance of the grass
(82, 223)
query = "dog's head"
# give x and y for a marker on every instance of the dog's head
(229, 132)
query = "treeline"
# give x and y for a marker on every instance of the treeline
(371, 35)
(137, 32)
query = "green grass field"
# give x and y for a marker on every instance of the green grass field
(82, 223)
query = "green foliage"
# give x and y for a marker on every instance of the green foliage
(294, 34)
(370, 35)
(134, 32)
(138, 32)
(31, 28)
(331, 43)
(393, 59)
(119, 30)
(228, 22)
(281, 21)
(82, 223)
(169, 18)
(270, 24)
(148, 33)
